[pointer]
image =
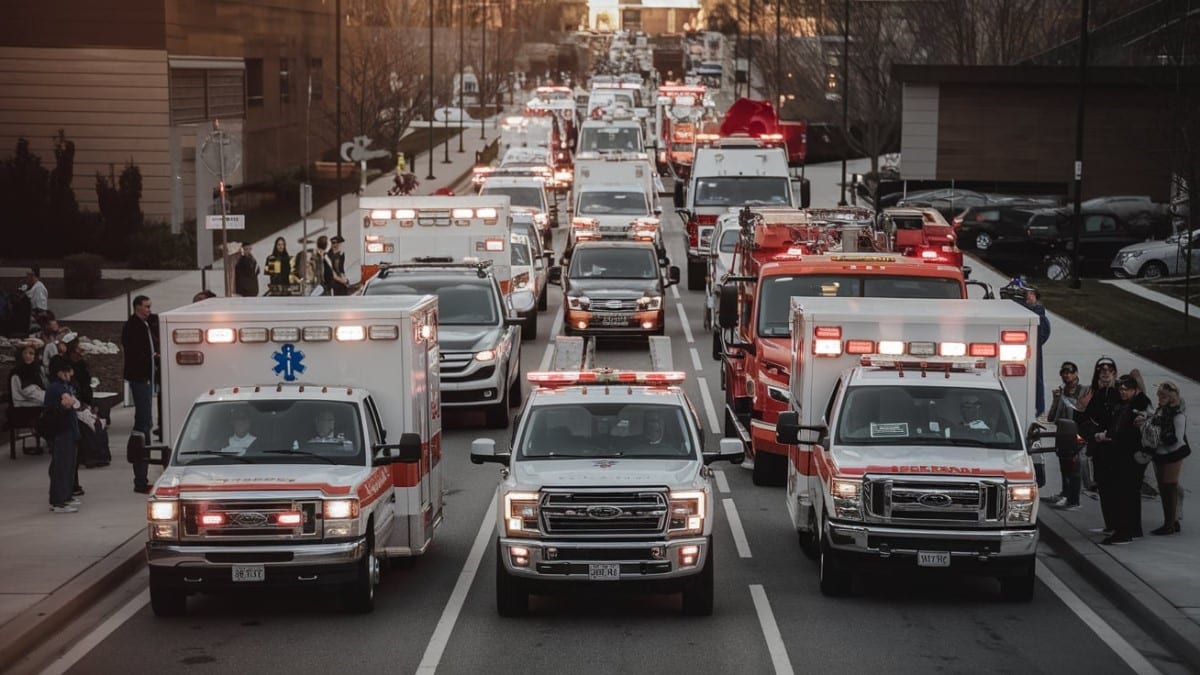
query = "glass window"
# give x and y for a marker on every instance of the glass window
(520, 254)
(776, 292)
(600, 139)
(742, 191)
(460, 303)
(271, 432)
(606, 430)
(728, 240)
(927, 415)
(316, 71)
(613, 203)
(519, 196)
(254, 82)
(613, 263)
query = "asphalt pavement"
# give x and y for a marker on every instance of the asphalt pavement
(438, 614)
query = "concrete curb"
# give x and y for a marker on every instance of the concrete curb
(1162, 620)
(36, 624)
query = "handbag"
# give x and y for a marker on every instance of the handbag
(1151, 434)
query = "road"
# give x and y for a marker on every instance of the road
(438, 613)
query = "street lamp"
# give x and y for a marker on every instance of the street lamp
(337, 95)
(845, 96)
(431, 176)
(1078, 206)
(462, 101)
(482, 66)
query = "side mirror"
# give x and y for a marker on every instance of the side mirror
(555, 274)
(137, 452)
(409, 447)
(730, 450)
(727, 308)
(672, 275)
(988, 293)
(484, 450)
(657, 210)
(539, 264)
(787, 427)
(1065, 435)
(684, 214)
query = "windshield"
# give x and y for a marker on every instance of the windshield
(460, 303)
(776, 292)
(742, 191)
(613, 263)
(728, 240)
(599, 139)
(519, 196)
(927, 415)
(606, 430)
(613, 203)
(271, 432)
(520, 254)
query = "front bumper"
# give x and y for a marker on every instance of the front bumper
(570, 561)
(1127, 269)
(989, 551)
(578, 322)
(479, 383)
(200, 568)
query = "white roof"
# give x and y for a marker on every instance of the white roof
(320, 308)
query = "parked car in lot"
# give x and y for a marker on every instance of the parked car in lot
(949, 202)
(1154, 259)
(1103, 235)
(1139, 209)
(995, 228)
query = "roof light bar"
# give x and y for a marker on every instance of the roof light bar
(566, 378)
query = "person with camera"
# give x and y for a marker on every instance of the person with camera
(1030, 298)
(1064, 405)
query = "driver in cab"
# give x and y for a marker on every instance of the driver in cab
(325, 428)
(972, 423)
(240, 440)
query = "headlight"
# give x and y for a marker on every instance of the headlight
(687, 512)
(650, 303)
(847, 498)
(523, 284)
(780, 394)
(486, 355)
(578, 302)
(521, 513)
(340, 509)
(1133, 254)
(162, 511)
(1021, 498)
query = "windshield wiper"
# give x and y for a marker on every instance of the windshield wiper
(306, 453)
(217, 453)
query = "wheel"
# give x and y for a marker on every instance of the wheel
(808, 540)
(769, 470)
(166, 602)
(707, 323)
(496, 415)
(698, 594)
(1058, 268)
(1153, 270)
(529, 327)
(730, 427)
(514, 393)
(360, 596)
(696, 274)
(1019, 588)
(718, 349)
(983, 241)
(834, 577)
(543, 301)
(512, 598)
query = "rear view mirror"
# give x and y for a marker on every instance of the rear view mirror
(787, 427)
(484, 450)
(730, 450)
(673, 275)
(555, 274)
(727, 309)
(409, 447)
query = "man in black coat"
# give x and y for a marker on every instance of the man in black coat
(245, 273)
(139, 342)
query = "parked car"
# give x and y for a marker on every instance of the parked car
(998, 229)
(1131, 208)
(1154, 259)
(1103, 235)
(949, 202)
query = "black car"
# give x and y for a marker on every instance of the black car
(996, 229)
(1104, 234)
(614, 288)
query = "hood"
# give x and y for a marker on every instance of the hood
(603, 289)
(777, 350)
(468, 338)
(1151, 247)
(949, 461)
(329, 481)
(605, 472)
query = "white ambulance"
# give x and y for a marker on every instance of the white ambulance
(921, 456)
(304, 445)
(399, 229)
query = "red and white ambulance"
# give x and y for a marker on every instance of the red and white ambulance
(304, 445)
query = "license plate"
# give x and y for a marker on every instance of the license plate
(933, 558)
(604, 572)
(249, 573)
(615, 320)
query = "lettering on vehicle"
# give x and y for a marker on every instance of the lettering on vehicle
(889, 429)
(374, 486)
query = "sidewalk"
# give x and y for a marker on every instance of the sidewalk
(56, 565)
(1131, 286)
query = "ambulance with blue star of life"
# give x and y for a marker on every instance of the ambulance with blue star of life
(302, 445)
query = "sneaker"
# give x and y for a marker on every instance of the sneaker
(1117, 541)
(77, 492)
(1060, 502)
(74, 502)
(64, 508)
(1102, 530)
(1067, 507)
(1054, 499)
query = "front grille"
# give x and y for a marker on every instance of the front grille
(481, 374)
(614, 305)
(244, 520)
(932, 500)
(930, 544)
(599, 554)
(455, 362)
(604, 513)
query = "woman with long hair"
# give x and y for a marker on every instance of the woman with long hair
(279, 267)
(1169, 455)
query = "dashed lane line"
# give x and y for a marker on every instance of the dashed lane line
(696, 359)
(683, 321)
(675, 292)
(735, 528)
(766, 619)
(722, 482)
(554, 330)
(714, 422)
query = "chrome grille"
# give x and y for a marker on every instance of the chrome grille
(604, 513)
(932, 500)
(613, 305)
(453, 363)
(244, 520)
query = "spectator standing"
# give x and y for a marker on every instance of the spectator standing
(1169, 455)
(203, 295)
(246, 272)
(60, 397)
(52, 335)
(338, 283)
(1099, 410)
(139, 341)
(35, 290)
(321, 266)
(279, 267)
(1127, 470)
(93, 421)
(1065, 406)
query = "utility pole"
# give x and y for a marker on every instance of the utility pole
(431, 176)
(337, 94)
(482, 66)
(462, 101)
(750, 53)
(846, 95)
(1077, 217)
(778, 52)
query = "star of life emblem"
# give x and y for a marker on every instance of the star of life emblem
(288, 362)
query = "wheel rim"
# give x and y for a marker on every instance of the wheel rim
(983, 242)
(1153, 271)
(1056, 271)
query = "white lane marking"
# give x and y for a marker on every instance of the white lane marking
(696, 359)
(714, 422)
(675, 292)
(722, 482)
(766, 619)
(735, 528)
(76, 653)
(445, 625)
(683, 320)
(554, 330)
(1120, 646)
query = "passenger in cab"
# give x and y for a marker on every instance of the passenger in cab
(240, 440)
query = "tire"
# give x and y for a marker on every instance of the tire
(166, 602)
(360, 595)
(1058, 268)
(1019, 588)
(769, 470)
(717, 350)
(512, 597)
(808, 540)
(543, 301)
(514, 393)
(697, 597)
(696, 274)
(496, 415)
(983, 241)
(1153, 270)
(834, 577)
(529, 327)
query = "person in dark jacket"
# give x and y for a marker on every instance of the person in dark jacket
(246, 272)
(279, 267)
(1065, 406)
(336, 265)
(1128, 472)
(139, 341)
(60, 397)
(1099, 409)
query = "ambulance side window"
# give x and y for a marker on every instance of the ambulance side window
(374, 428)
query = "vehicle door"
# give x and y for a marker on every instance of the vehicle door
(390, 509)
(1101, 238)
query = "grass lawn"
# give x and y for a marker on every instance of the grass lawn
(1176, 288)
